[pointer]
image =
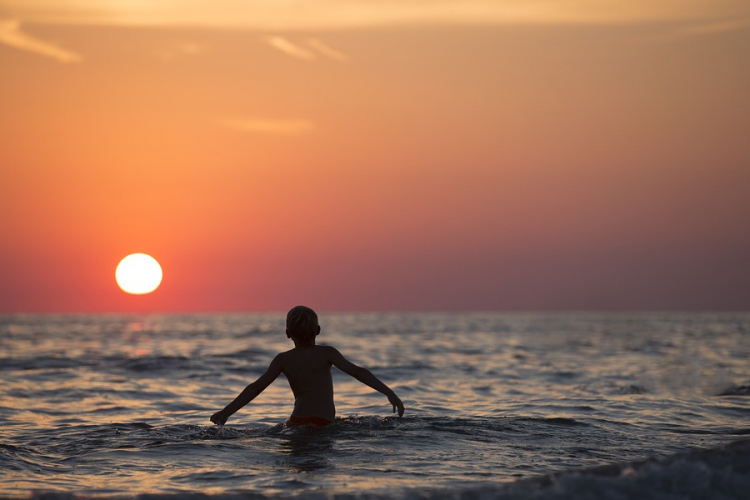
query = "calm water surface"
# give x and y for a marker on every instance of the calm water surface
(118, 406)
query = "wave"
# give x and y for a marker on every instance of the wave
(155, 363)
(717, 473)
(45, 363)
(736, 390)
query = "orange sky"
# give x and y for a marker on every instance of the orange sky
(386, 156)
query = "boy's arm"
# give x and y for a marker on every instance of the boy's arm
(366, 377)
(249, 393)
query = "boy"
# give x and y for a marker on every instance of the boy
(308, 369)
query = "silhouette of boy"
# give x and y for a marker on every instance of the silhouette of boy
(308, 369)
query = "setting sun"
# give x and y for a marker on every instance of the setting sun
(138, 274)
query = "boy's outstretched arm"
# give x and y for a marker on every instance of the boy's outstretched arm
(366, 377)
(249, 393)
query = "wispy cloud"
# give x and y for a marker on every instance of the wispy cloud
(12, 35)
(290, 49)
(288, 127)
(326, 51)
(176, 50)
(715, 27)
(309, 50)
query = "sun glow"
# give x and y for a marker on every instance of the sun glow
(138, 274)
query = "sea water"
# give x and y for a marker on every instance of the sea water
(518, 406)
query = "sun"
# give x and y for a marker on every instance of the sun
(138, 274)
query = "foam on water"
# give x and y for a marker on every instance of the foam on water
(722, 473)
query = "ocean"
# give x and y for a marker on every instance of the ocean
(498, 406)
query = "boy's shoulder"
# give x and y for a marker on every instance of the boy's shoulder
(302, 356)
(317, 349)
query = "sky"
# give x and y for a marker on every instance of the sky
(568, 155)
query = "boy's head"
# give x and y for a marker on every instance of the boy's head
(302, 325)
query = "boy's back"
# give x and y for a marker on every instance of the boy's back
(308, 370)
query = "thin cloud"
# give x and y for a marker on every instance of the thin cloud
(180, 49)
(327, 51)
(290, 49)
(694, 30)
(290, 127)
(716, 27)
(312, 48)
(12, 35)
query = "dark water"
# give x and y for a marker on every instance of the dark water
(498, 406)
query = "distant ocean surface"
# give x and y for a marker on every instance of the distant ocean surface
(506, 406)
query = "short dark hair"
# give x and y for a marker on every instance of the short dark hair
(301, 323)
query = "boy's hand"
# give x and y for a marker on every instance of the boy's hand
(396, 402)
(218, 418)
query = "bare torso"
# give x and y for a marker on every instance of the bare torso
(308, 370)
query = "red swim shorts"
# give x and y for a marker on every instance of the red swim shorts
(316, 421)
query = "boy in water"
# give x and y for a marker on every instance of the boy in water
(308, 369)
